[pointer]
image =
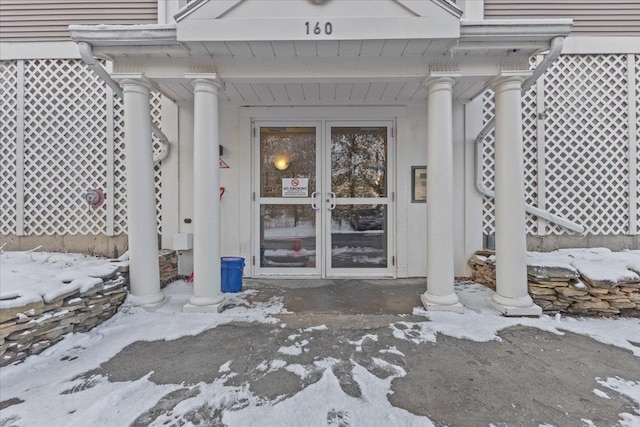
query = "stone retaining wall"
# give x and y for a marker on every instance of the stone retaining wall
(565, 289)
(31, 328)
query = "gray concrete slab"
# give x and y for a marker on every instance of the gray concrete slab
(529, 378)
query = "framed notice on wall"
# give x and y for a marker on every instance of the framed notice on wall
(419, 184)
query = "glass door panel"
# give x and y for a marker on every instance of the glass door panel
(287, 236)
(358, 199)
(359, 236)
(359, 161)
(287, 202)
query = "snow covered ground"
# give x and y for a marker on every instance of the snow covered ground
(49, 389)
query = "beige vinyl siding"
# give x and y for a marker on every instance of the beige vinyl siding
(48, 20)
(590, 17)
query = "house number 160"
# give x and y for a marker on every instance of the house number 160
(317, 29)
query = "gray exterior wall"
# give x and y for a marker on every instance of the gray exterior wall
(47, 20)
(591, 17)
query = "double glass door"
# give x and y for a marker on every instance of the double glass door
(323, 200)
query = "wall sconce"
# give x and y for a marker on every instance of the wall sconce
(281, 162)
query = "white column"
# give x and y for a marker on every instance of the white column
(440, 294)
(511, 296)
(144, 269)
(207, 295)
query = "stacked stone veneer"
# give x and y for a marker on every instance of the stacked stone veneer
(168, 267)
(566, 289)
(32, 327)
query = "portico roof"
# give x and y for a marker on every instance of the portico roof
(372, 67)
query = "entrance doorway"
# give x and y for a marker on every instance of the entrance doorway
(324, 204)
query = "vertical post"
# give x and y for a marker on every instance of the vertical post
(144, 270)
(440, 294)
(170, 174)
(511, 297)
(541, 152)
(473, 201)
(111, 187)
(20, 231)
(633, 145)
(207, 295)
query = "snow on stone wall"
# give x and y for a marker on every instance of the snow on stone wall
(595, 282)
(32, 321)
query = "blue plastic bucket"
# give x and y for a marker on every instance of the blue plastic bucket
(231, 269)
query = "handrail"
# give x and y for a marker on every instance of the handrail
(86, 53)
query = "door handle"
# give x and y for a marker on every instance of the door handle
(314, 202)
(331, 200)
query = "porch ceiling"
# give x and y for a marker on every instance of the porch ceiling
(408, 91)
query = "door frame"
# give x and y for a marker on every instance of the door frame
(258, 201)
(327, 269)
(323, 169)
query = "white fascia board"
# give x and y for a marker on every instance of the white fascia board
(376, 28)
(514, 29)
(601, 45)
(188, 9)
(421, 8)
(220, 8)
(38, 50)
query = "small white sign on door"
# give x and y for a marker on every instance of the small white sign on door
(295, 187)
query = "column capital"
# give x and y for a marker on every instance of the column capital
(133, 79)
(510, 79)
(440, 80)
(204, 80)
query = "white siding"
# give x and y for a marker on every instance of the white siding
(47, 20)
(591, 17)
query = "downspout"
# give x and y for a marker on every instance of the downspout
(554, 53)
(86, 53)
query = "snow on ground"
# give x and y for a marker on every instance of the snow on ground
(631, 390)
(44, 382)
(480, 322)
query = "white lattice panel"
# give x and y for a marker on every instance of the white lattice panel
(587, 177)
(65, 147)
(156, 115)
(119, 169)
(488, 161)
(529, 128)
(120, 178)
(530, 140)
(8, 146)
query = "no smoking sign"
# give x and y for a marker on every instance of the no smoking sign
(295, 187)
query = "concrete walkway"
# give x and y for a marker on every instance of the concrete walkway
(339, 353)
(529, 378)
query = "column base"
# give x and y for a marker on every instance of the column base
(531, 310)
(205, 305)
(211, 308)
(438, 303)
(152, 302)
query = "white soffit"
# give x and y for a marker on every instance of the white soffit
(274, 20)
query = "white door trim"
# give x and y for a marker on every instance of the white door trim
(328, 269)
(323, 118)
